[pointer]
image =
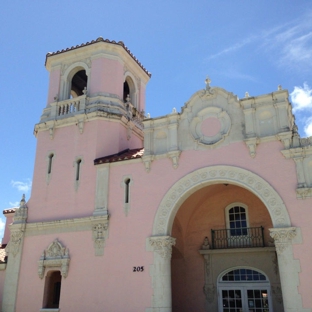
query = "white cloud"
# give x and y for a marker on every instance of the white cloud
(14, 204)
(2, 226)
(301, 98)
(308, 127)
(22, 186)
(232, 48)
(290, 43)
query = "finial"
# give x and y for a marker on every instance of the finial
(174, 111)
(84, 91)
(128, 98)
(207, 82)
(279, 88)
(247, 95)
(148, 115)
(22, 202)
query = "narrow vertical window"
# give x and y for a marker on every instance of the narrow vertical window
(50, 163)
(127, 186)
(78, 163)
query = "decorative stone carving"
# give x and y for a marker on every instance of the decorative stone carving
(282, 237)
(56, 255)
(15, 242)
(17, 229)
(175, 158)
(208, 88)
(252, 144)
(147, 162)
(99, 232)
(81, 125)
(20, 215)
(205, 245)
(51, 132)
(207, 268)
(221, 174)
(163, 245)
(209, 291)
(275, 264)
(211, 115)
(303, 193)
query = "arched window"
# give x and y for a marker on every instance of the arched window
(50, 160)
(127, 183)
(126, 91)
(237, 225)
(78, 83)
(52, 290)
(129, 91)
(78, 164)
(244, 289)
(237, 219)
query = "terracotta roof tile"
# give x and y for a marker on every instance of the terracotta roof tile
(123, 155)
(100, 39)
(10, 210)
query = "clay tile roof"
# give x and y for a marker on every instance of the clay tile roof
(123, 155)
(100, 39)
(10, 210)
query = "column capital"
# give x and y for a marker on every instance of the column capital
(283, 237)
(162, 245)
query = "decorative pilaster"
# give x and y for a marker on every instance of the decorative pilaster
(14, 251)
(162, 247)
(289, 268)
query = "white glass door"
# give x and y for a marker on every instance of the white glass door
(244, 298)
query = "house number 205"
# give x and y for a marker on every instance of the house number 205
(138, 269)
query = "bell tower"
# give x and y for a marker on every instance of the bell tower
(95, 108)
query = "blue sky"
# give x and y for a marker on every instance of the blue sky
(242, 45)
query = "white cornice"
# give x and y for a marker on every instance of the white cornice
(62, 226)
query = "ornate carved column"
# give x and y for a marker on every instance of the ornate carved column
(14, 250)
(161, 274)
(288, 267)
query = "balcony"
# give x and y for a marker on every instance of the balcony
(237, 238)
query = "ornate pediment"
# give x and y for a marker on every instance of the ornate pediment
(56, 255)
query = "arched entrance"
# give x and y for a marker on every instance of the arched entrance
(218, 227)
(161, 242)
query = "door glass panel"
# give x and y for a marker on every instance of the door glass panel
(257, 300)
(232, 300)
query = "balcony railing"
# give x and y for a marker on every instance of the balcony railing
(237, 238)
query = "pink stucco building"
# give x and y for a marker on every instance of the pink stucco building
(207, 209)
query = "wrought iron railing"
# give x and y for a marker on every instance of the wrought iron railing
(237, 238)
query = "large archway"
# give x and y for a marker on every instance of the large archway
(218, 175)
(218, 227)
(161, 241)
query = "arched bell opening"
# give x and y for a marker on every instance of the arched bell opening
(217, 227)
(78, 83)
(129, 92)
